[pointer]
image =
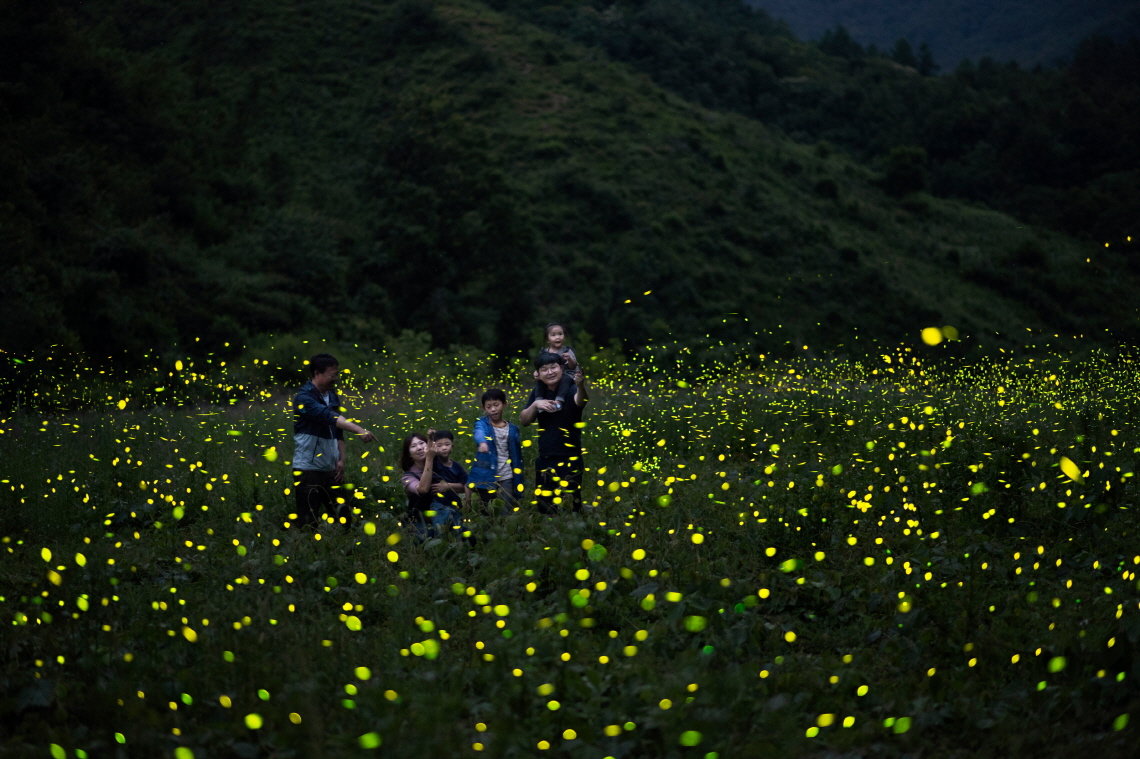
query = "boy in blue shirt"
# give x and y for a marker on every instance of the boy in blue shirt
(498, 452)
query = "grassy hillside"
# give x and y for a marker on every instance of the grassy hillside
(1054, 146)
(363, 168)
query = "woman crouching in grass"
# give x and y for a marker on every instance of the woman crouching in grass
(433, 506)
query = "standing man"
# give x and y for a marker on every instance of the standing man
(557, 407)
(318, 444)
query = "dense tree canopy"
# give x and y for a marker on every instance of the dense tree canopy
(198, 174)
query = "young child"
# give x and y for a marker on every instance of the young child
(498, 455)
(556, 343)
(453, 485)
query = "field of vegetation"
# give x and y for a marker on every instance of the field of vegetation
(904, 554)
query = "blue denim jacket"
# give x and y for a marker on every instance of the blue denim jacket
(486, 464)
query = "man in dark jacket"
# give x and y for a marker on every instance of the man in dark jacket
(318, 444)
(557, 407)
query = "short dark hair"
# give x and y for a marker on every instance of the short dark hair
(550, 326)
(546, 357)
(493, 394)
(321, 362)
(443, 435)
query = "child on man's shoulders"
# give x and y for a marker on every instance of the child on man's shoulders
(555, 343)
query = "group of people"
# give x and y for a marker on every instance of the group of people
(439, 489)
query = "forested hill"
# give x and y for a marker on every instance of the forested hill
(1030, 32)
(200, 173)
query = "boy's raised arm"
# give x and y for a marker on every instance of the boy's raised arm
(482, 443)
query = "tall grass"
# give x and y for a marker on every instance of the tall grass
(895, 555)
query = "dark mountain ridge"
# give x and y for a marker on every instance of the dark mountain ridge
(196, 175)
(1030, 32)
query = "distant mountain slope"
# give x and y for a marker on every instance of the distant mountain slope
(1027, 31)
(353, 169)
(1053, 146)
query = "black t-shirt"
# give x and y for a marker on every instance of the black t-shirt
(452, 473)
(559, 436)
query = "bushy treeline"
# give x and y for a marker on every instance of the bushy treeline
(1029, 32)
(1054, 146)
(198, 175)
